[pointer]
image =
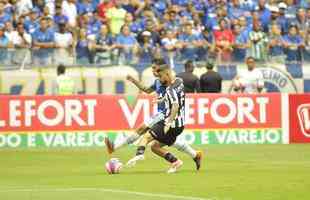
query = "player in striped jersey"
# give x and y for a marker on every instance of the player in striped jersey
(166, 131)
(160, 90)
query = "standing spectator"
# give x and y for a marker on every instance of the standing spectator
(83, 55)
(69, 9)
(291, 10)
(103, 46)
(150, 27)
(102, 9)
(276, 53)
(251, 80)
(170, 47)
(224, 40)
(85, 6)
(22, 43)
(211, 81)
(127, 45)
(258, 43)
(116, 17)
(190, 81)
(189, 43)
(43, 44)
(10, 33)
(240, 45)
(264, 14)
(32, 23)
(173, 22)
(23, 7)
(147, 48)
(207, 50)
(302, 22)
(59, 17)
(282, 20)
(4, 44)
(4, 17)
(64, 45)
(307, 47)
(293, 44)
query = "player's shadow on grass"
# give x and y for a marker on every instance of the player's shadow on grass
(185, 171)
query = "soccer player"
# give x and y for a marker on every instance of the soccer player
(166, 131)
(160, 90)
(250, 81)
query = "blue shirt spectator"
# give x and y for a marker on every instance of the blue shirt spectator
(85, 6)
(292, 44)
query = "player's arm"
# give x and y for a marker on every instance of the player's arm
(172, 95)
(139, 85)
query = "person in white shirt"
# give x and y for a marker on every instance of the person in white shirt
(23, 7)
(69, 9)
(22, 43)
(64, 45)
(249, 81)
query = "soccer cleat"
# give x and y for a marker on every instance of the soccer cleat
(175, 166)
(109, 145)
(198, 159)
(132, 162)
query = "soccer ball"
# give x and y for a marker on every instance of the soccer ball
(113, 166)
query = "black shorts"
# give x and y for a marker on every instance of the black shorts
(158, 133)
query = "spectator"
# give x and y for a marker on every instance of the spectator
(211, 81)
(293, 44)
(170, 47)
(23, 7)
(22, 43)
(103, 8)
(69, 10)
(190, 81)
(276, 53)
(59, 17)
(258, 43)
(4, 17)
(282, 20)
(135, 27)
(301, 22)
(307, 47)
(85, 6)
(155, 37)
(83, 55)
(173, 22)
(116, 17)
(291, 9)
(251, 80)
(264, 14)
(207, 50)
(189, 43)
(147, 48)
(224, 40)
(32, 23)
(103, 46)
(4, 44)
(240, 45)
(43, 44)
(127, 45)
(64, 45)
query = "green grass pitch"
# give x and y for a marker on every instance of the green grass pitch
(229, 172)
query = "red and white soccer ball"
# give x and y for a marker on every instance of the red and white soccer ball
(113, 166)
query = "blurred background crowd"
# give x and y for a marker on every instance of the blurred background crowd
(105, 32)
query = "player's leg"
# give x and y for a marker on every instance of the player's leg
(129, 139)
(146, 138)
(184, 147)
(158, 149)
(111, 147)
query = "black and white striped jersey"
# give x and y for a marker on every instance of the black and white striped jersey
(175, 94)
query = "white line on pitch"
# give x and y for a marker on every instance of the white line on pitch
(103, 190)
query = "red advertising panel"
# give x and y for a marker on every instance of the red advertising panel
(112, 112)
(299, 115)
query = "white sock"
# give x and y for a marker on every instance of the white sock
(128, 139)
(182, 146)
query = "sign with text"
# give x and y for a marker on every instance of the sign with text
(214, 114)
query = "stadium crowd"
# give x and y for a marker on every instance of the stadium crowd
(45, 32)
